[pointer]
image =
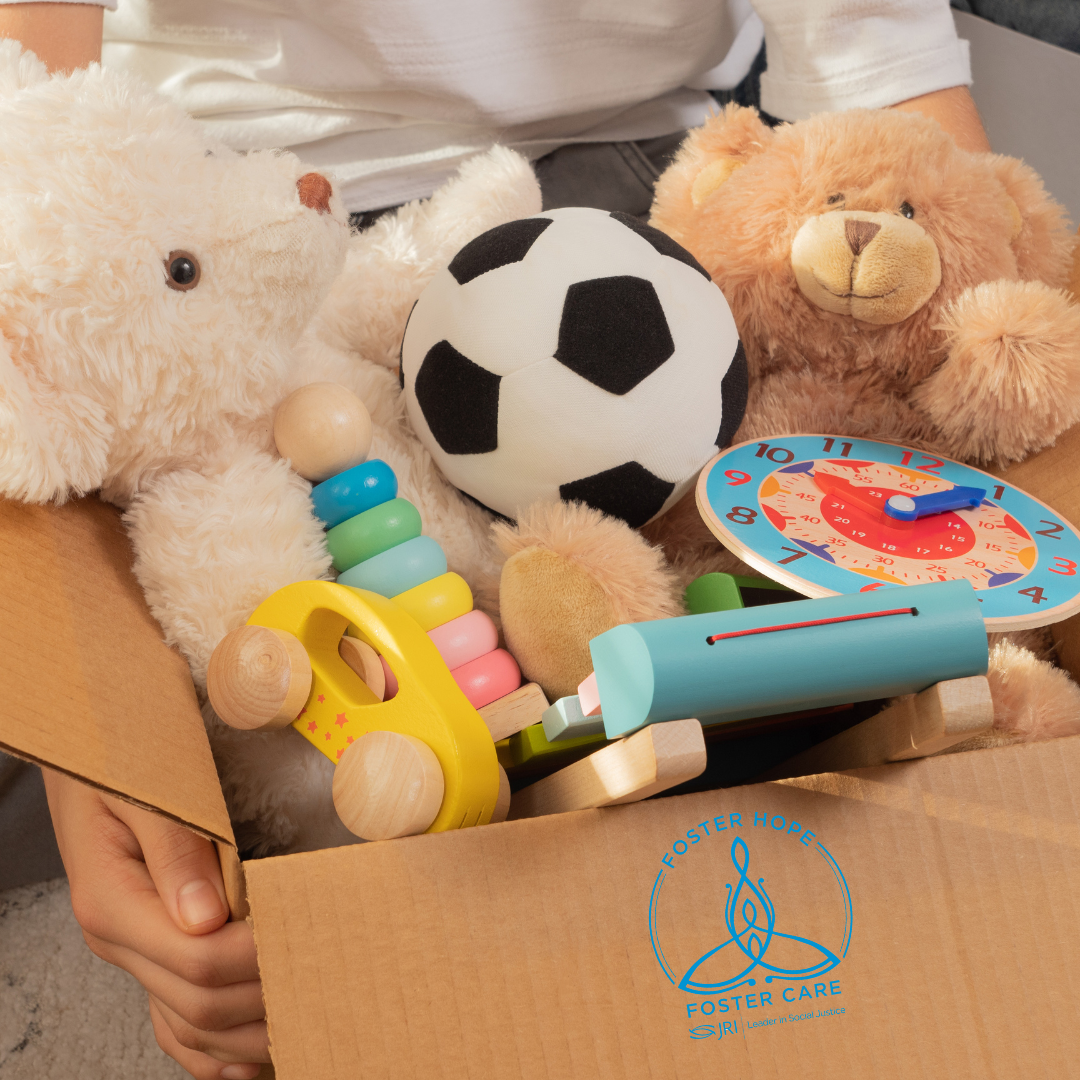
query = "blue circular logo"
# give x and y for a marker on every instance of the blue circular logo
(758, 941)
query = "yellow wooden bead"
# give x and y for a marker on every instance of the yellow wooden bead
(323, 429)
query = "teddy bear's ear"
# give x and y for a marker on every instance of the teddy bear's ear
(1040, 236)
(19, 68)
(706, 161)
(52, 445)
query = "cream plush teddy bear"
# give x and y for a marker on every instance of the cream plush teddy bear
(159, 297)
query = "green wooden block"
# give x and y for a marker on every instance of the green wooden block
(530, 743)
(373, 532)
(713, 592)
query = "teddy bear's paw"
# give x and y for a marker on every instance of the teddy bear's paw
(1011, 383)
(1033, 700)
(572, 573)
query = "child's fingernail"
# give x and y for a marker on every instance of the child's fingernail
(199, 903)
(240, 1072)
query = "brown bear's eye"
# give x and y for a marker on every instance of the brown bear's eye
(182, 271)
(835, 199)
(907, 209)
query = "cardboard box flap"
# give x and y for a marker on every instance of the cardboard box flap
(915, 919)
(89, 687)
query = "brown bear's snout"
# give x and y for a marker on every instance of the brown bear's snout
(859, 233)
(315, 191)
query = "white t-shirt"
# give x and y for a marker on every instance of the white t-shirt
(391, 95)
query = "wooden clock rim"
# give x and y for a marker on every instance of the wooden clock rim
(814, 591)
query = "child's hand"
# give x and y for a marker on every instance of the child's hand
(149, 897)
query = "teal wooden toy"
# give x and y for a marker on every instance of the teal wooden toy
(373, 532)
(398, 568)
(353, 491)
(809, 654)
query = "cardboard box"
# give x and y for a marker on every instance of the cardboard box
(912, 920)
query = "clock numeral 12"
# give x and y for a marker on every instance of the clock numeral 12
(909, 454)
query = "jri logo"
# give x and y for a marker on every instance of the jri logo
(745, 913)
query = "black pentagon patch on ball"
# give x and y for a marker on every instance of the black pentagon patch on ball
(660, 241)
(459, 400)
(613, 332)
(497, 247)
(629, 492)
(734, 390)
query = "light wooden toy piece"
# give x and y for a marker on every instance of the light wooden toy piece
(652, 760)
(259, 678)
(387, 785)
(515, 711)
(502, 803)
(323, 429)
(912, 727)
(364, 660)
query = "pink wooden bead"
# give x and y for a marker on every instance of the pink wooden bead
(488, 678)
(391, 679)
(466, 638)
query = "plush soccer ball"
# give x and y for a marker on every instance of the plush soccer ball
(578, 355)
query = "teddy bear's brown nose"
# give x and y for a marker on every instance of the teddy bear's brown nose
(315, 192)
(858, 233)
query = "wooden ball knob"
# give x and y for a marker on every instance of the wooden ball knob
(259, 678)
(323, 429)
(364, 660)
(502, 801)
(388, 785)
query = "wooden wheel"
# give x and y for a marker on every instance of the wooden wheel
(387, 785)
(258, 678)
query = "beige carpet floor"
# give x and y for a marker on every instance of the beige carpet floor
(65, 1014)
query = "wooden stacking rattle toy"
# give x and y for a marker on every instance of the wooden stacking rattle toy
(413, 754)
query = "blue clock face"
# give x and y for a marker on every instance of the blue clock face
(827, 515)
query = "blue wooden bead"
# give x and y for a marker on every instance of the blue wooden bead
(353, 491)
(398, 569)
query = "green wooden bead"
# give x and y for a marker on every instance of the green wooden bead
(373, 532)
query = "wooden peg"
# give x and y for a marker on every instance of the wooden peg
(387, 785)
(520, 709)
(364, 660)
(651, 760)
(323, 429)
(502, 803)
(913, 726)
(258, 678)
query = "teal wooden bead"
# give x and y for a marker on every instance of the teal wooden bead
(372, 532)
(398, 568)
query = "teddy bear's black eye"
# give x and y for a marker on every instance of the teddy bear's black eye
(907, 209)
(182, 271)
(833, 199)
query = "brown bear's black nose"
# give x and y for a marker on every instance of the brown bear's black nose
(315, 192)
(859, 233)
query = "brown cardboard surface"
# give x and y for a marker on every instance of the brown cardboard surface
(88, 685)
(524, 949)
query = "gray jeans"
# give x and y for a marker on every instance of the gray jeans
(28, 851)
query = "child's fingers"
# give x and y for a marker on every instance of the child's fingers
(201, 1066)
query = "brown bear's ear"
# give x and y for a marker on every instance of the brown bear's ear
(52, 444)
(1039, 227)
(706, 160)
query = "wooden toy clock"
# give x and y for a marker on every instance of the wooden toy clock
(828, 515)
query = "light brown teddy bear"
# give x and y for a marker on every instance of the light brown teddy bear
(885, 284)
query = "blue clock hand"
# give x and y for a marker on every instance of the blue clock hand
(906, 508)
